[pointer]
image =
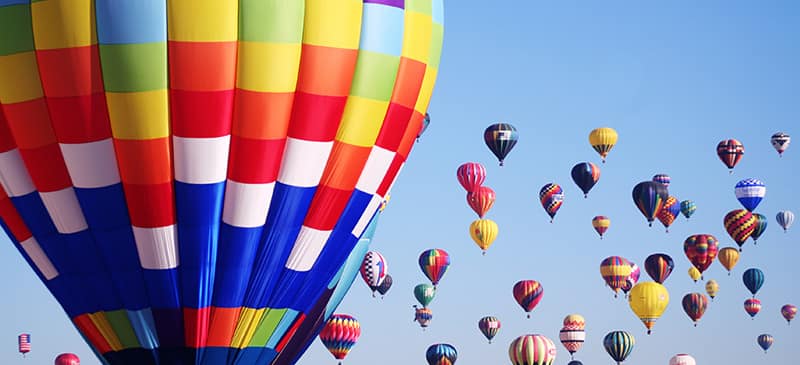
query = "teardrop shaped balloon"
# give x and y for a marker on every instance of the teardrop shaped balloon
(662, 178)
(573, 333)
(67, 359)
(471, 175)
(785, 219)
(483, 232)
(532, 350)
(501, 139)
(385, 285)
(780, 141)
(728, 257)
(752, 306)
(481, 200)
(760, 226)
(740, 224)
(730, 152)
(649, 197)
(695, 304)
(765, 341)
(615, 270)
(753, 279)
(750, 192)
(434, 264)
(658, 266)
(701, 249)
(695, 274)
(682, 359)
(424, 294)
(603, 140)
(441, 354)
(585, 175)
(669, 211)
(601, 224)
(528, 294)
(788, 312)
(712, 288)
(340, 334)
(374, 270)
(423, 316)
(688, 208)
(648, 300)
(426, 121)
(489, 326)
(552, 197)
(619, 345)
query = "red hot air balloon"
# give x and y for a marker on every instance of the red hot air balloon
(481, 200)
(24, 343)
(471, 175)
(67, 359)
(730, 151)
(340, 334)
(701, 249)
(528, 293)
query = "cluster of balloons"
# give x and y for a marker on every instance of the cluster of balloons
(471, 176)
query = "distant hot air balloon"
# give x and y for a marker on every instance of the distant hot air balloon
(423, 316)
(785, 219)
(626, 288)
(601, 224)
(489, 326)
(585, 175)
(573, 333)
(481, 200)
(788, 312)
(712, 288)
(695, 274)
(434, 264)
(528, 294)
(701, 249)
(740, 224)
(760, 226)
(24, 343)
(424, 294)
(635, 272)
(662, 178)
(67, 359)
(603, 140)
(615, 271)
(728, 257)
(780, 141)
(752, 306)
(340, 333)
(385, 285)
(649, 197)
(648, 301)
(551, 196)
(730, 151)
(374, 270)
(483, 232)
(659, 266)
(619, 345)
(695, 304)
(750, 192)
(669, 211)
(471, 175)
(574, 362)
(765, 341)
(682, 359)
(753, 279)
(426, 121)
(532, 350)
(500, 138)
(441, 354)
(688, 208)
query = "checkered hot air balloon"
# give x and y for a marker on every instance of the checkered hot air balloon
(750, 192)
(340, 334)
(24, 343)
(552, 197)
(434, 264)
(374, 270)
(669, 211)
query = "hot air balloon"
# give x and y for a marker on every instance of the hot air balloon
(649, 197)
(434, 264)
(695, 304)
(481, 200)
(585, 175)
(615, 271)
(788, 312)
(752, 306)
(532, 350)
(471, 175)
(441, 354)
(669, 211)
(662, 178)
(648, 301)
(753, 279)
(627, 286)
(601, 224)
(424, 294)
(695, 274)
(765, 341)
(635, 272)
(785, 219)
(780, 141)
(552, 196)
(528, 294)
(67, 359)
(603, 140)
(619, 345)
(728, 257)
(573, 333)
(489, 326)
(574, 362)
(423, 316)
(340, 333)
(199, 178)
(730, 151)
(688, 208)
(374, 270)
(712, 288)
(385, 285)
(740, 224)
(701, 249)
(750, 192)
(426, 121)
(659, 266)
(682, 359)
(483, 232)
(760, 226)
(24, 343)
(500, 138)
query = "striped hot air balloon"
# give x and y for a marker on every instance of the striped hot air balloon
(753, 279)
(471, 175)
(441, 354)
(619, 345)
(501, 139)
(649, 197)
(434, 264)
(601, 224)
(573, 333)
(765, 341)
(423, 316)
(24, 343)
(552, 197)
(752, 306)
(489, 326)
(532, 350)
(688, 208)
(695, 304)
(682, 359)
(603, 140)
(701, 249)
(785, 219)
(340, 334)
(615, 270)
(730, 152)
(750, 192)
(528, 294)
(659, 266)
(662, 178)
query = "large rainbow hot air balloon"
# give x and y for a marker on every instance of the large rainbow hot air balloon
(340, 334)
(532, 350)
(194, 172)
(434, 264)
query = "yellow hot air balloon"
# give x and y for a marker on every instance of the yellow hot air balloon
(603, 140)
(483, 232)
(648, 300)
(695, 274)
(712, 288)
(728, 257)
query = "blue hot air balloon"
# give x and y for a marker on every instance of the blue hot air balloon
(750, 192)
(649, 197)
(585, 175)
(441, 354)
(765, 341)
(753, 279)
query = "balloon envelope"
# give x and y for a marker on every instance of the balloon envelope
(712, 288)
(740, 224)
(753, 279)
(424, 294)
(585, 175)
(434, 264)
(483, 233)
(648, 301)
(615, 270)
(532, 350)
(688, 208)
(441, 354)
(752, 306)
(730, 152)
(471, 175)
(694, 304)
(649, 197)
(662, 178)
(765, 341)
(750, 192)
(340, 333)
(788, 312)
(785, 219)
(501, 139)
(552, 197)
(780, 141)
(528, 294)
(669, 211)
(682, 359)
(659, 266)
(67, 359)
(385, 285)
(489, 326)
(619, 345)
(728, 257)
(601, 224)
(701, 249)
(481, 200)
(603, 140)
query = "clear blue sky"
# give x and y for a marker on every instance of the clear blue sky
(673, 79)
